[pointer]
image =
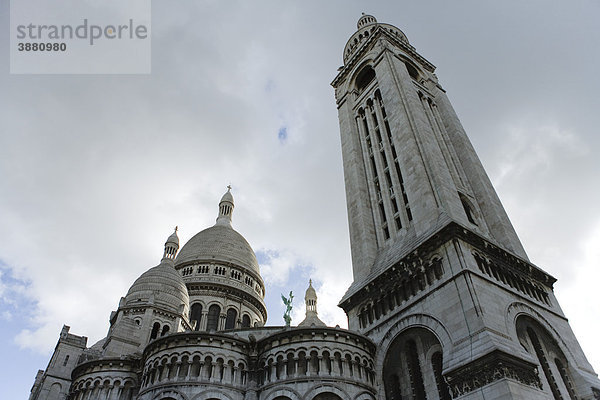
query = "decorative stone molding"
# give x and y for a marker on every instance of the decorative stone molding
(490, 368)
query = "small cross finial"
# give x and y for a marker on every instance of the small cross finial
(176, 227)
(228, 187)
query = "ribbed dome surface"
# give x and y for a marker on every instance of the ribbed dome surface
(219, 243)
(164, 283)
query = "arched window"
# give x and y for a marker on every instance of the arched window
(405, 368)
(165, 330)
(364, 77)
(231, 318)
(196, 316)
(468, 209)
(538, 341)
(155, 329)
(212, 319)
(412, 71)
(245, 321)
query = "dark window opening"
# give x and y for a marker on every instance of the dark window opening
(442, 387)
(165, 330)
(231, 317)
(155, 329)
(365, 77)
(412, 71)
(414, 371)
(212, 319)
(468, 210)
(245, 321)
(196, 316)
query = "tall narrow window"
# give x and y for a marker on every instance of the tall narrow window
(365, 77)
(165, 330)
(539, 352)
(565, 378)
(245, 321)
(196, 316)
(231, 318)
(414, 371)
(66, 360)
(468, 209)
(212, 319)
(155, 329)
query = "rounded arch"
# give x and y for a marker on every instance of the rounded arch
(55, 390)
(556, 373)
(358, 69)
(411, 64)
(364, 395)
(518, 309)
(412, 321)
(196, 315)
(277, 393)
(326, 388)
(231, 318)
(365, 76)
(245, 321)
(211, 394)
(169, 394)
(213, 316)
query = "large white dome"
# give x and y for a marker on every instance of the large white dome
(164, 284)
(219, 243)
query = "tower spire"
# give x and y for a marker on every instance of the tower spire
(171, 246)
(226, 207)
(310, 299)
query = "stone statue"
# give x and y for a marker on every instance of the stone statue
(288, 310)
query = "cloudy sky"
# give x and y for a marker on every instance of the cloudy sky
(96, 170)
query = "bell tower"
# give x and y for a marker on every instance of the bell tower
(441, 279)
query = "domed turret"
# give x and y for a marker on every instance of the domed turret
(161, 285)
(226, 206)
(365, 20)
(171, 246)
(156, 304)
(368, 29)
(310, 298)
(220, 243)
(222, 275)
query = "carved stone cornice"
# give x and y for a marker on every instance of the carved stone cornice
(490, 368)
(420, 253)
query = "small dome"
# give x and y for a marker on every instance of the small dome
(219, 243)
(227, 196)
(174, 238)
(310, 292)
(365, 20)
(161, 283)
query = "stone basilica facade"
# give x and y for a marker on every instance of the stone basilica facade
(444, 305)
